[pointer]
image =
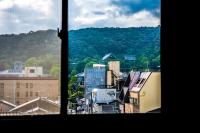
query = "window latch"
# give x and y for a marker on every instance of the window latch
(60, 33)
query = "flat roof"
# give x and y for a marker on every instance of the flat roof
(28, 78)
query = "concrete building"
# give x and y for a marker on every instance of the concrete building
(99, 66)
(16, 71)
(145, 94)
(6, 106)
(40, 105)
(94, 77)
(113, 73)
(33, 71)
(19, 90)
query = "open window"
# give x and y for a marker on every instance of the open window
(30, 61)
(112, 42)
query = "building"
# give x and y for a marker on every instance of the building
(99, 66)
(94, 77)
(19, 90)
(18, 66)
(33, 71)
(144, 94)
(16, 71)
(6, 106)
(129, 57)
(113, 73)
(40, 105)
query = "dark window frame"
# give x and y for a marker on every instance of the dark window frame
(63, 34)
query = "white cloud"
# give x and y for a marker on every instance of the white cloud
(85, 14)
(27, 15)
(42, 6)
(5, 4)
(141, 18)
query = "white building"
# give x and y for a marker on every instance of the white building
(33, 71)
(99, 66)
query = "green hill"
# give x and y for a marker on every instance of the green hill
(86, 46)
(93, 43)
(42, 45)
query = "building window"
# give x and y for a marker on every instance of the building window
(32, 71)
(1, 85)
(36, 94)
(27, 94)
(22, 79)
(26, 85)
(1, 90)
(17, 102)
(18, 85)
(17, 94)
(31, 85)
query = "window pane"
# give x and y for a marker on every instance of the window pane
(114, 56)
(30, 57)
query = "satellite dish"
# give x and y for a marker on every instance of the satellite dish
(106, 56)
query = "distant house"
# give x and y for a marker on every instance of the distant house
(33, 71)
(11, 73)
(130, 57)
(40, 105)
(141, 92)
(16, 71)
(94, 77)
(99, 66)
(113, 73)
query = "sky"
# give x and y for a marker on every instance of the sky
(22, 16)
(113, 13)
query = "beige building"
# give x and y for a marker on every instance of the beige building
(113, 73)
(19, 90)
(145, 95)
(33, 71)
(6, 106)
(40, 105)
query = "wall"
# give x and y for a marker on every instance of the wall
(38, 71)
(115, 67)
(150, 94)
(45, 88)
(109, 78)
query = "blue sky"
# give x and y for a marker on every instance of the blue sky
(113, 13)
(22, 16)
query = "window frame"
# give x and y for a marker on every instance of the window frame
(63, 34)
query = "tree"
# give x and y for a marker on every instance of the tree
(31, 62)
(144, 62)
(55, 71)
(73, 72)
(89, 64)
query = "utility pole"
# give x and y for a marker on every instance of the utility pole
(91, 103)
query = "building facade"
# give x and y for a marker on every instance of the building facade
(94, 77)
(19, 90)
